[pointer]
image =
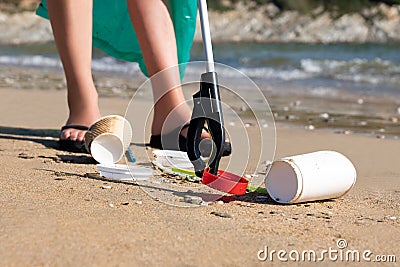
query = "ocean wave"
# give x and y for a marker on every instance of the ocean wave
(253, 72)
(286, 75)
(30, 61)
(106, 64)
(356, 70)
(110, 64)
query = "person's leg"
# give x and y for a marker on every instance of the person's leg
(155, 32)
(71, 22)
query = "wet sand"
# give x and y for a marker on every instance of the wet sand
(344, 112)
(51, 213)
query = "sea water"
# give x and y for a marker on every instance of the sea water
(346, 87)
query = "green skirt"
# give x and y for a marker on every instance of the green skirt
(114, 34)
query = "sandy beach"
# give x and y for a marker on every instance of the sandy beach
(52, 214)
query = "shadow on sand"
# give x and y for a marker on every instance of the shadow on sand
(45, 137)
(40, 136)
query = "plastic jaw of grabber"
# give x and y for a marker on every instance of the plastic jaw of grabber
(207, 112)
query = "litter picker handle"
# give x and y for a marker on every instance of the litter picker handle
(207, 108)
(206, 35)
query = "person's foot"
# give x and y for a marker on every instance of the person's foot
(170, 132)
(165, 122)
(171, 114)
(83, 117)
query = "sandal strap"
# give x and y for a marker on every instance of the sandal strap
(188, 124)
(76, 127)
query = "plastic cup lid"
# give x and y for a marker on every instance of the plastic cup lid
(136, 171)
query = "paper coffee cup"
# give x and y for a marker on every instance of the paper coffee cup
(108, 139)
(308, 177)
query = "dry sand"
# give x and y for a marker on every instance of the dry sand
(51, 214)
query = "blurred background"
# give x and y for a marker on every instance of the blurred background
(331, 64)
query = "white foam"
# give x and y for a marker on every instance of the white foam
(32, 61)
(107, 64)
(255, 72)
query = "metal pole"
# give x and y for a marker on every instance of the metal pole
(205, 32)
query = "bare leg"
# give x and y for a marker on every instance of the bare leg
(156, 36)
(72, 28)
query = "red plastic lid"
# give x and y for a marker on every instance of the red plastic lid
(226, 182)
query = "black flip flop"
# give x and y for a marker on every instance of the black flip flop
(169, 141)
(73, 145)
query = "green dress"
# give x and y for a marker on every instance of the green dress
(114, 34)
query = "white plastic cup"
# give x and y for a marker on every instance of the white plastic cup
(308, 177)
(108, 139)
